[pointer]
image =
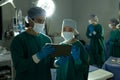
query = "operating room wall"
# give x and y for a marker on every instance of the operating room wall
(104, 9)
(78, 10)
(8, 12)
(63, 9)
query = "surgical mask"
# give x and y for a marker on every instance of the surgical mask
(90, 22)
(38, 27)
(68, 35)
(110, 26)
(118, 26)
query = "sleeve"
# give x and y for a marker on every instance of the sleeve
(85, 62)
(116, 40)
(82, 64)
(51, 59)
(45, 39)
(88, 32)
(20, 62)
(99, 32)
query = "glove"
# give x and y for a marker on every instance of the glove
(46, 50)
(61, 60)
(91, 29)
(90, 34)
(75, 53)
(94, 32)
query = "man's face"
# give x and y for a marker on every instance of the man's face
(39, 19)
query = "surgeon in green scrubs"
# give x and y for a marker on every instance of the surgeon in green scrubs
(114, 39)
(95, 34)
(29, 54)
(75, 66)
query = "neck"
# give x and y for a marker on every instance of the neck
(31, 31)
(71, 41)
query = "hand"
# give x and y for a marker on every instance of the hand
(90, 34)
(75, 53)
(45, 51)
(94, 32)
(61, 60)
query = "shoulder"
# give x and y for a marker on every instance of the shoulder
(99, 25)
(19, 38)
(45, 37)
(77, 43)
(89, 25)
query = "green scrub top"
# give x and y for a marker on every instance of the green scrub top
(96, 45)
(114, 47)
(23, 47)
(74, 70)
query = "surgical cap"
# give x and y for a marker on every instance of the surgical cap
(36, 11)
(114, 21)
(70, 23)
(94, 17)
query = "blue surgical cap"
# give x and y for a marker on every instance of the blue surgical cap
(36, 11)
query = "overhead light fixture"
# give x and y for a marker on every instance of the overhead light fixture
(4, 2)
(48, 5)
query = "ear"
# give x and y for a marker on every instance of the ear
(31, 24)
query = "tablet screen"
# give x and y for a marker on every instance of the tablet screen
(61, 50)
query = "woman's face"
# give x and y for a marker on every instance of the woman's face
(68, 29)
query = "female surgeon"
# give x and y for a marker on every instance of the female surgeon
(114, 39)
(75, 66)
(95, 34)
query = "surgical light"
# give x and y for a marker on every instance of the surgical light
(48, 5)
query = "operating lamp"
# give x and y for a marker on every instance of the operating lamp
(48, 5)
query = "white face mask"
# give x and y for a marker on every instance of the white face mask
(90, 22)
(110, 26)
(68, 35)
(38, 27)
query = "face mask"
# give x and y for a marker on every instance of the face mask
(38, 27)
(110, 26)
(118, 26)
(90, 22)
(68, 35)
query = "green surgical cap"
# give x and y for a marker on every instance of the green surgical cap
(36, 11)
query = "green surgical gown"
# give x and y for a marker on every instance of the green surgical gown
(96, 45)
(23, 47)
(114, 47)
(74, 70)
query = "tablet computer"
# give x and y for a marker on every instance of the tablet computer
(61, 50)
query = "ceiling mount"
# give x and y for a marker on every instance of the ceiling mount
(4, 2)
